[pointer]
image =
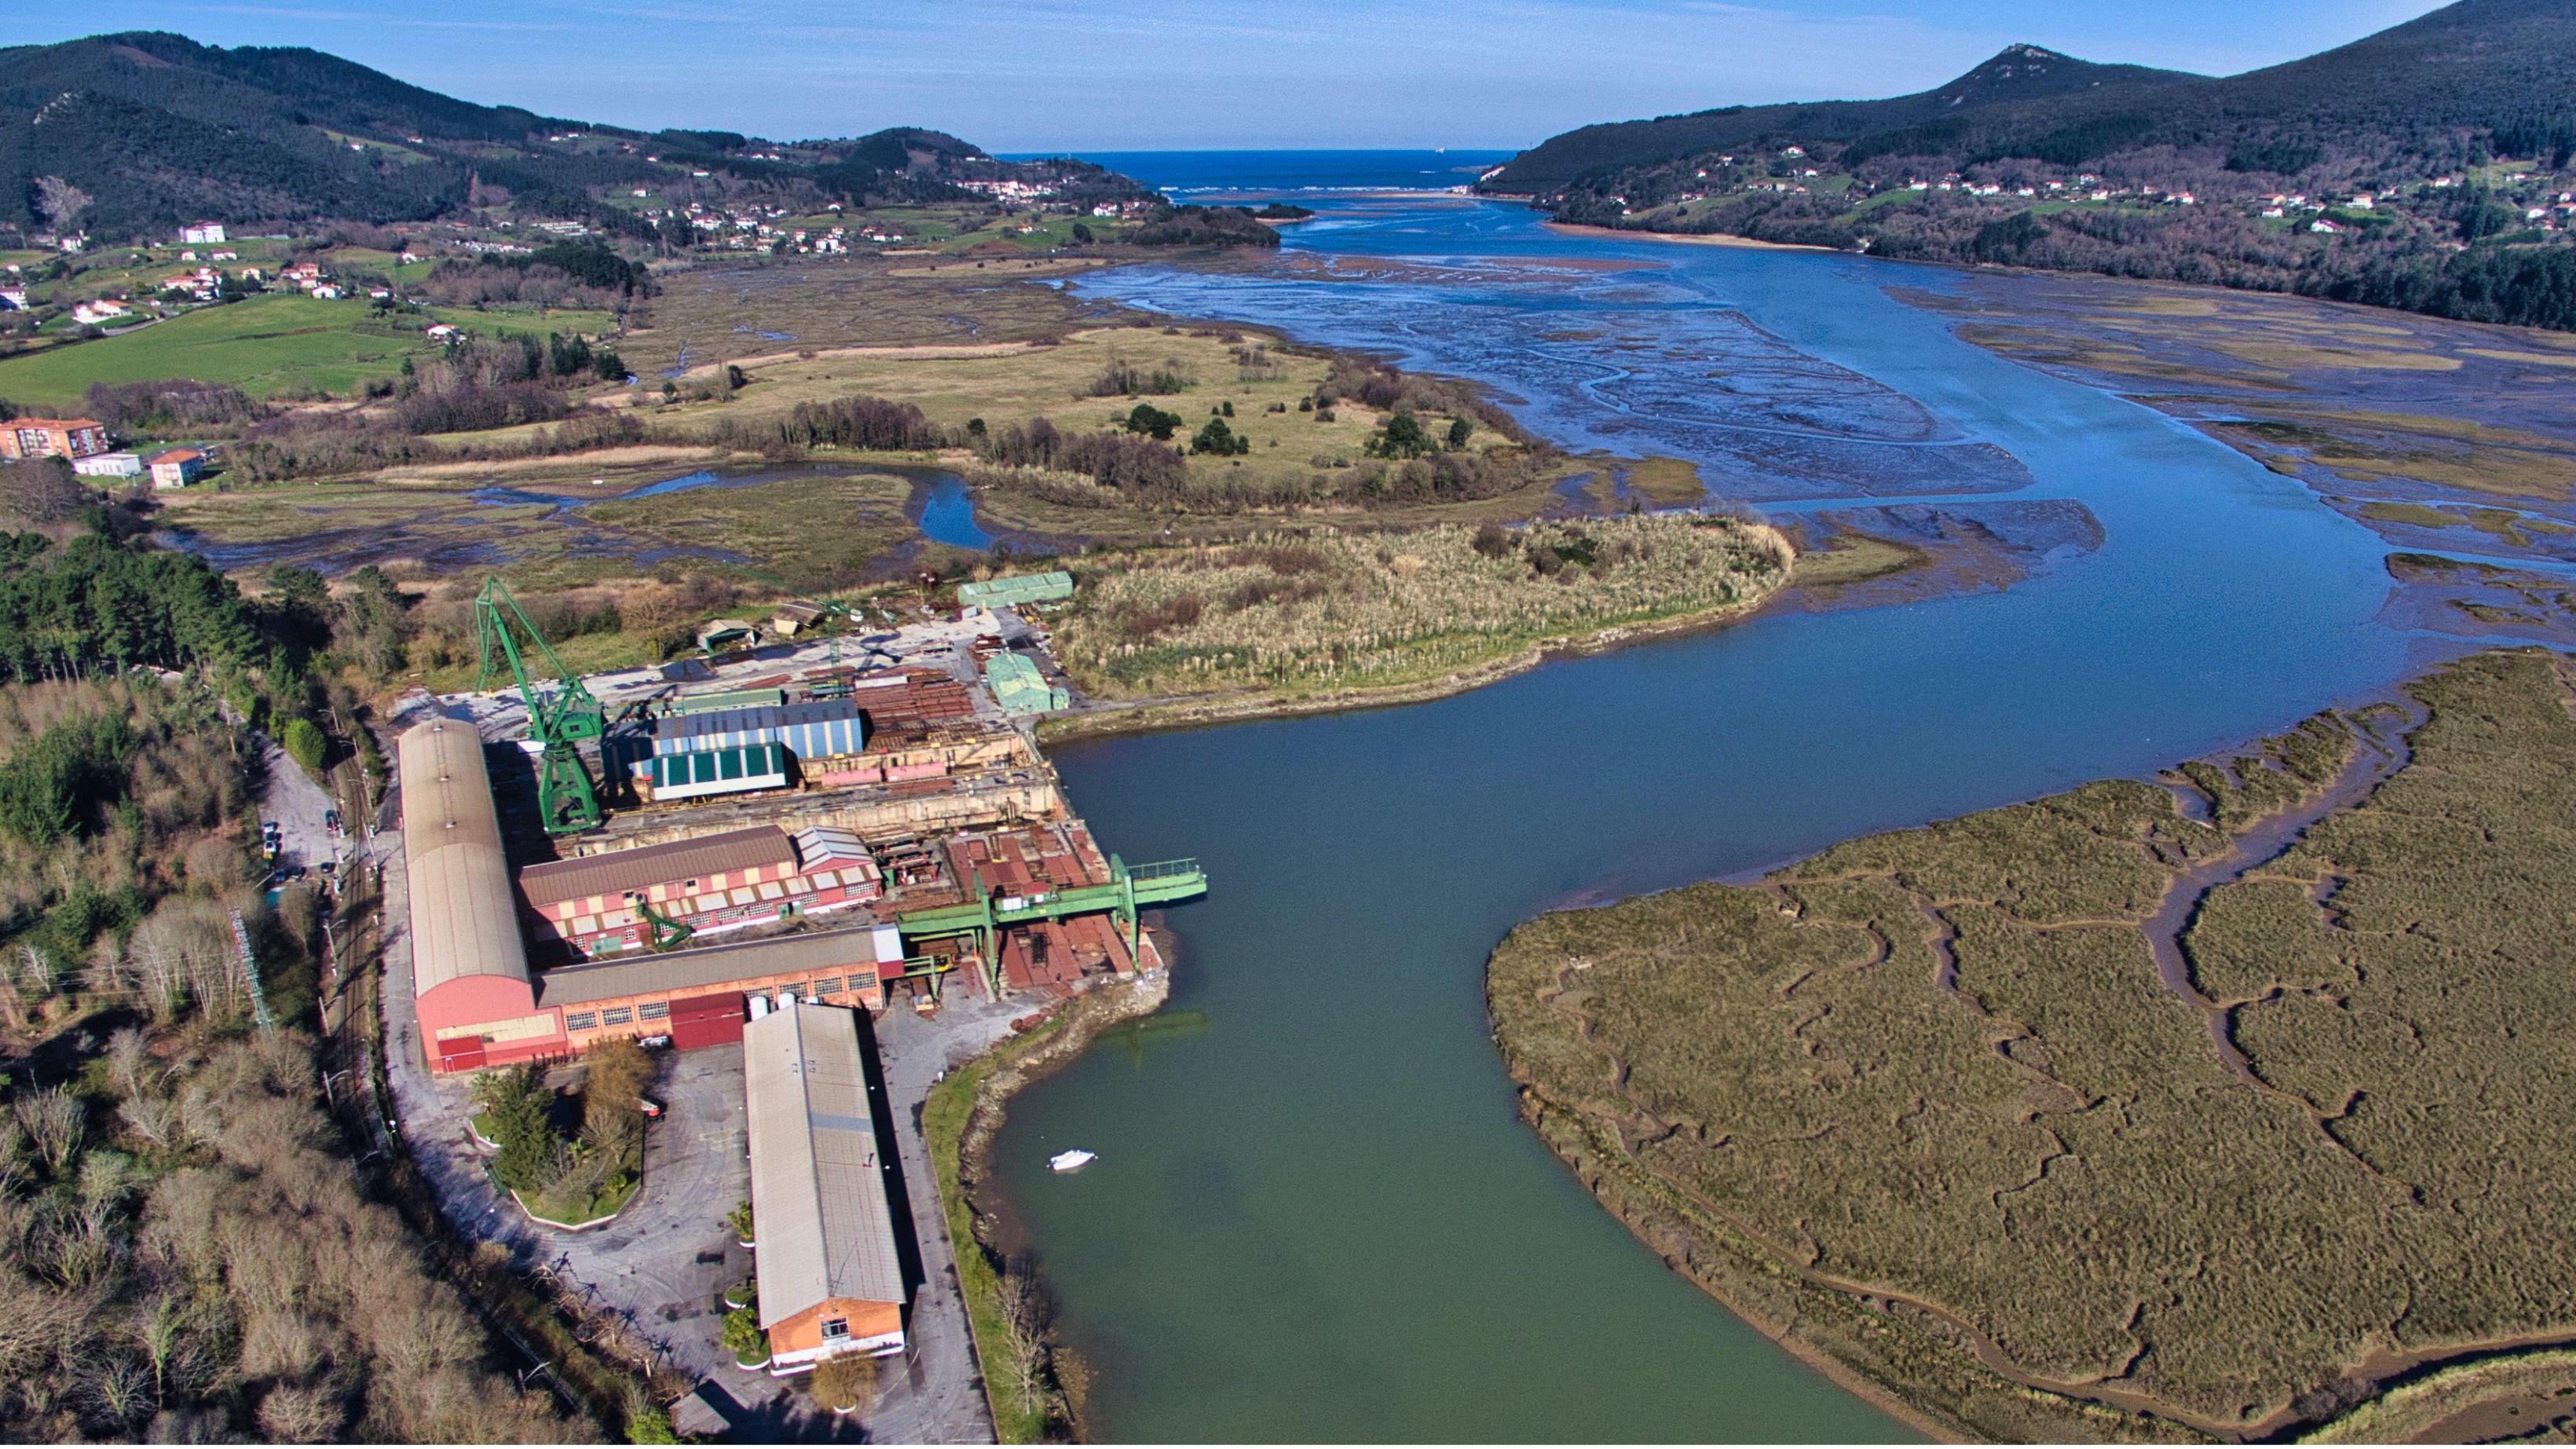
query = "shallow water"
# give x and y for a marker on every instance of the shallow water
(948, 514)
(1319, 1218)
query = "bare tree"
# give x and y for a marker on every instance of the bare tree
(1025, 1314)
(293, 1415)
(121, 1387)
(60, 202)
(36, 970)
(154, 1119)
(129, 1056)
(53, 1121)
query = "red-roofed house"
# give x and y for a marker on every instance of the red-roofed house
(52, 438)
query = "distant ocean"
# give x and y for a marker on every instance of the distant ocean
(1268, 173)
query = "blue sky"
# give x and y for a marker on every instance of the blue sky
(1189, 74)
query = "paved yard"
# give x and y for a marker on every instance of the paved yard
(666, 1259)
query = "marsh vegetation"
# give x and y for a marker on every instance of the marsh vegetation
(1340, 610)
(1922, 1105)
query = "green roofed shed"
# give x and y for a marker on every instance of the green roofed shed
(1004, 593)
(719, 772)
(1020, 688)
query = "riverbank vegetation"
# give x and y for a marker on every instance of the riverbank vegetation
(1330, 610)
(1957, 1037)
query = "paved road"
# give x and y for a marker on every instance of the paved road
(939, 1398)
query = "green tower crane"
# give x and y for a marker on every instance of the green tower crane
(558, 718)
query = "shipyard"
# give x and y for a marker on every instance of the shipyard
(784, 885)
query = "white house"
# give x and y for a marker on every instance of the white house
(204, 233)
(90, 313)
(108, 465)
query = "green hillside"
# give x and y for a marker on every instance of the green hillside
(130, 135)
(2490, 66)
(2019, 73)
(2421, 167)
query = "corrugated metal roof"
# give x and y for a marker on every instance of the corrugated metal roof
(728, 699)
(1016, 589)
(818, 843)
(804, 953)
(614, 871)
(463, 921)
(758, 717)
(817, 1198)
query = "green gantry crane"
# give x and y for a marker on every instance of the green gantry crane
(559, 718)
(1125, 892)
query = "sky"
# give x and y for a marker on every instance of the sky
(1214, 74)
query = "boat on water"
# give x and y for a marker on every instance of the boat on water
(1068, 1161)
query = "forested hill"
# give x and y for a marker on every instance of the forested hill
(130, 135)
(2017, 73)
(2424, 167)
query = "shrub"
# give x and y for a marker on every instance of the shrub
(306, 744)
(843, 1382)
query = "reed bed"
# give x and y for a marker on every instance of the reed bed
(1334, 610)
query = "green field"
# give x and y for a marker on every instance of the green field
(265, 346)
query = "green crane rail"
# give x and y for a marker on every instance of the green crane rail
(1126, 892)
(558, 718)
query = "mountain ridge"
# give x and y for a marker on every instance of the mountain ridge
(2375, 171)
(136, 132)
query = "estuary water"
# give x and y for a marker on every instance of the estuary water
(1315, 1215)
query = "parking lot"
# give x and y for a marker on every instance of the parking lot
(665, 1259)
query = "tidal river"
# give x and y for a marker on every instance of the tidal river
(1315, 1216)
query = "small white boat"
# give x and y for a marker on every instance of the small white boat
(1069, 1161)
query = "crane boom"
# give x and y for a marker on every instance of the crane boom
(558, 718)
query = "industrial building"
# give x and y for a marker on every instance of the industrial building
(1005, 593)
(699, 998)
(935, 840)
(469, 970)
(477, 1001)
(669, 779)
(830, 1279)
(1020, 688)
(599, 904)
(814, 730)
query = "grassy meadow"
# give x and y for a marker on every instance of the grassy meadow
(804, 533)
(266, 345)
(1922, 1105)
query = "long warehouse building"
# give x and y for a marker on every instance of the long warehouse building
(469, 968)
(831, 1281)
